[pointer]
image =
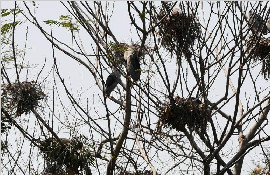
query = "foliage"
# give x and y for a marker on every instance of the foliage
(64, 21)
(6, 32)
(73, 154)
(7, 12)
(115, 52)
(7, 27)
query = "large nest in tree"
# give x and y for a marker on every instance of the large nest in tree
(181, 112)
(21, 97)
(260, 51)
(66, 157)
(115, 53)
(178, 31)
(146, 172)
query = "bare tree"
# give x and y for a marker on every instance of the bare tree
(192, 96)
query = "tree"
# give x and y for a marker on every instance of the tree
(200, 106)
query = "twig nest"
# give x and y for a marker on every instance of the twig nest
(115, 53)
(181, 113)
(260, 51)
(257, 23)
(19, 98)
(71, 154)
(178, 31)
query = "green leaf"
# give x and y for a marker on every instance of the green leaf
(64, 21)
(66, 24)
(69, 25)
(8, 27)
(51, 22)
(142, 15)
(17, 11)
(65, 17)
(5, 12)
(7, 59)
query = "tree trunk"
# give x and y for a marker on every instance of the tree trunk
(206, 169)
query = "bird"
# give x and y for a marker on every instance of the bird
(111, 82)
(268, 24)
(176, 11)
(256, 22)
(132, 58)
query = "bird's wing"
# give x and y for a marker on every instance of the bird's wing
(110, 80)
(135, 62)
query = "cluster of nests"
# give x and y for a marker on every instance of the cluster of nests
(260, 51)
(146, 172)
(66, 158)
(21, 97)
(182, 112)
(178, 31)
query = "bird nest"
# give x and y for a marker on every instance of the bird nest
(146, 172)
(115, 53)
(66, 157)
(21, 97)
(178, 31)
(260, 51)
(184, 112)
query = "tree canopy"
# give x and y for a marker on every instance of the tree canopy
(142, 87)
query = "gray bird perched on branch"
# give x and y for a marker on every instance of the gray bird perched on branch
(257, 23)
(111, 82)
(132, 57)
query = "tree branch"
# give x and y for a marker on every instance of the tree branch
(111, 165)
